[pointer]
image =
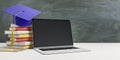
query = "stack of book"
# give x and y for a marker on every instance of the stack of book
(22, 36)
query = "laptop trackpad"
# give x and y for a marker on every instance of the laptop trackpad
(48, 49)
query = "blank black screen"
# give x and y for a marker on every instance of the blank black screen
(51, 32)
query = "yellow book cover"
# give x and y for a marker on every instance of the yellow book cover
(21, 35)
(26, 47)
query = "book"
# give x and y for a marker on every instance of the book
(22, 39)
(17, 32)
(21, 28)
(10, 50)
(20, 35)
(21, 47)
(13, 25)
(19, 43)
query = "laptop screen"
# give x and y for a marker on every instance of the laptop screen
(51, 32)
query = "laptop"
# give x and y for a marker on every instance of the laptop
(53, 36)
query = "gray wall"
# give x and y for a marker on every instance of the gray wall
(92, 20)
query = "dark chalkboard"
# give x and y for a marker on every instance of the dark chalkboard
(92, 20)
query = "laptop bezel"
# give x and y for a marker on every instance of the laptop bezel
(45, 47)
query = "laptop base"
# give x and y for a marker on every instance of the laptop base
(48, 52)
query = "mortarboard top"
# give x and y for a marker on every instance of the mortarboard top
(24, 14)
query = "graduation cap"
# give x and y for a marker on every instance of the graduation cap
(22, 15)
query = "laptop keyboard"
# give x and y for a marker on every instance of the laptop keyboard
(58, 48)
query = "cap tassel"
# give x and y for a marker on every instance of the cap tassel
(14, 22)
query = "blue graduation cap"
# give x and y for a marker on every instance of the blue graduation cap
(22, 15)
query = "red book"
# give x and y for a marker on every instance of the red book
(22, 28)
(23, 39)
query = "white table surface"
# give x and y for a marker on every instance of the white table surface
(99, 51)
